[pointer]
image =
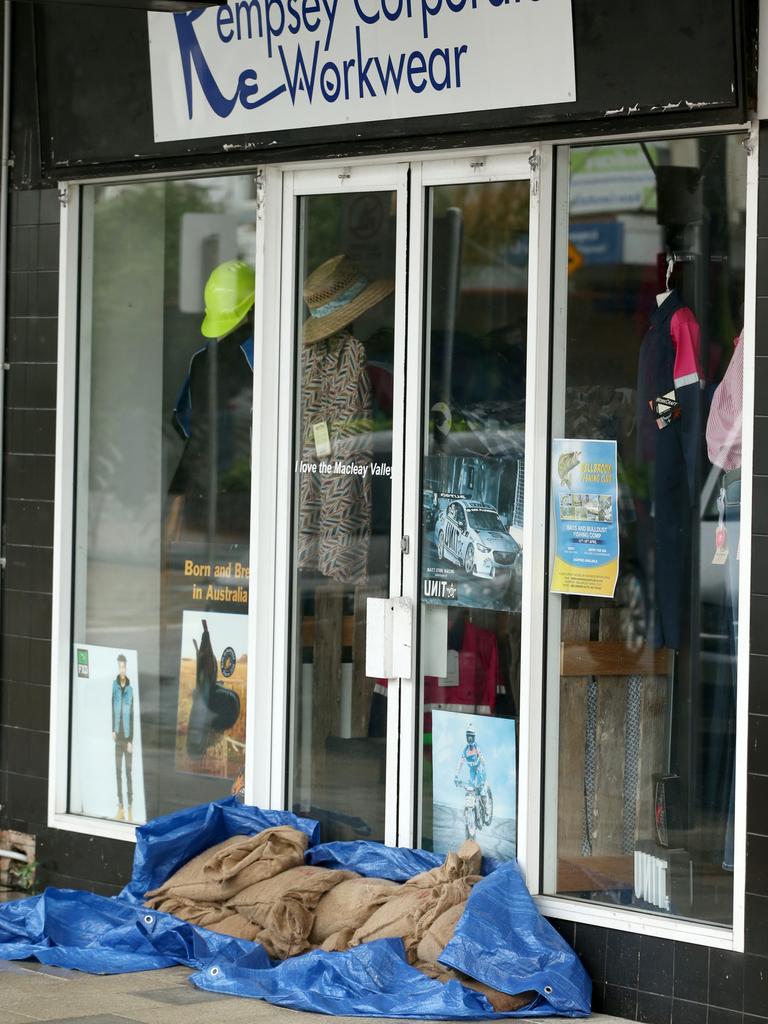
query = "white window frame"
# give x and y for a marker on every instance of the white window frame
(64, 535)
(266, 771)
(639, 922)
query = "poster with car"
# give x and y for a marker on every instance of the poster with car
(474, 783)
(213, 670)
(472, 522)
(107, 773)
(585, 493)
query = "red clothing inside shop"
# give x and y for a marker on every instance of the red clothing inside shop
(473, 683)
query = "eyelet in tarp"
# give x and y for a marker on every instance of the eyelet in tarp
(500, 940)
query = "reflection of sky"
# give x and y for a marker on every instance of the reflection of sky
(226, 629)
(496, 739)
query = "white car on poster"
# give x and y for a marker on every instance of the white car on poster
(472, 535)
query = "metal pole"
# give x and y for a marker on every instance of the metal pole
(4, 168)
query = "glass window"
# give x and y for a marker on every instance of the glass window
(648, 355)
(162, 499)
(342, 506)
(473, 479)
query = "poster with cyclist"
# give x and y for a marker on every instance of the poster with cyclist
(474, 782)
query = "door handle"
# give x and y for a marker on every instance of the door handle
(389, 638)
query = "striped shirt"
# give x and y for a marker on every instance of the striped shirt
(724, 423)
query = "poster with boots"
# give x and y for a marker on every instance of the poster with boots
(213, 669)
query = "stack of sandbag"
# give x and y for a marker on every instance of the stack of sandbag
(198, 891)
(409, 912)
(283, 907)
(346, 908)
(258, 888)
(432, 944)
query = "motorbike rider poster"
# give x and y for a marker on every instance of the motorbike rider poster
(474, 764)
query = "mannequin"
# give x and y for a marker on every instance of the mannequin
(663, 296)
(335, 507)
(210, 490)
(669, 418)
(209, 494)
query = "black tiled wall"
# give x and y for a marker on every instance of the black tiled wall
(757, 764)
(665, 982)
(66, 859)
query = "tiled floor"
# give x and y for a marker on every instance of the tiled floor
(33, 992)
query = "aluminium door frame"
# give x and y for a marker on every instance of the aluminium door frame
(535, 165)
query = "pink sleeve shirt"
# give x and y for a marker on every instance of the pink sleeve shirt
(724, 423)
(686, 337)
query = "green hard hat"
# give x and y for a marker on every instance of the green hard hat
(229, 295)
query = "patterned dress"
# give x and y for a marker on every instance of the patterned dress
(335, 506)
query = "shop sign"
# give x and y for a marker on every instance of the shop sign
(596, 242)
(585, 495)
(253, 66)
(612, 179)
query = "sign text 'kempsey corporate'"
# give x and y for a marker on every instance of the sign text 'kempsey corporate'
(253, 66)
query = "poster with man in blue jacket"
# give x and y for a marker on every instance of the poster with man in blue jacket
(122, 734)
(107, 776)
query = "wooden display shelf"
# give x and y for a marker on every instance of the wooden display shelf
(612, 658)
(309, 631)
(595, 874)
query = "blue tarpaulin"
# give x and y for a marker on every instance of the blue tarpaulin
(500, 940)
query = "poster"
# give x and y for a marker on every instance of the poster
(585, 505)
(107, 772)
(207, 575)
(474, 783)
(213, 670)
(472, 521)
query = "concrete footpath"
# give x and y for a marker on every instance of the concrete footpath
(30, 992)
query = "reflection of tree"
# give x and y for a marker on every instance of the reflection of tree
(135, 258)
(494, 214)
(322, 234)
(126, 221)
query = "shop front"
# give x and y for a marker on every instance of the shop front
(406, 377)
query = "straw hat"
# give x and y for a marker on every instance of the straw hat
(336, 294)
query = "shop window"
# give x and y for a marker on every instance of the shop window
(162, 496)
(647, 385)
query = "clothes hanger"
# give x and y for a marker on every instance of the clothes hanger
(663, 296)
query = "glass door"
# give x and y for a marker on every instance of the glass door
(471, 330)
(404, 483)
(344, 245)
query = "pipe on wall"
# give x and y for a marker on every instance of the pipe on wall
(13, 855)
(5, 141)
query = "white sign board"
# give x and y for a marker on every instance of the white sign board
(252, 66)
